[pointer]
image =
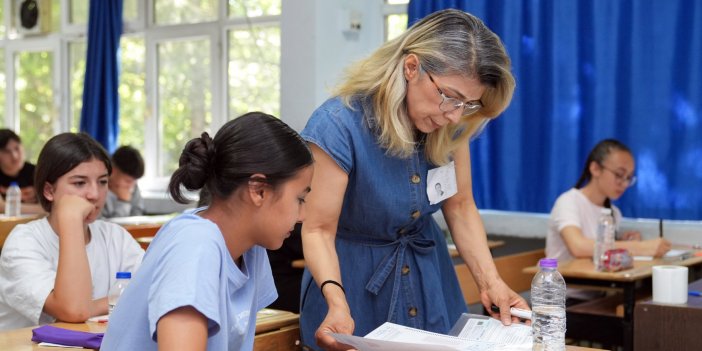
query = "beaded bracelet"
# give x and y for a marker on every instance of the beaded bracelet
(321, 287)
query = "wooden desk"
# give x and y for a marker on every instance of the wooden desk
(659, 327)
(582, 272)
(452, 251)
(142, 228)
(275, 330)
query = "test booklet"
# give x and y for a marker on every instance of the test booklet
(471, 333)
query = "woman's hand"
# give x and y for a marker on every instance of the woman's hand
(500, 295)
(337, 321)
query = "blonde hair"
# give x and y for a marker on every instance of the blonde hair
(447, 42)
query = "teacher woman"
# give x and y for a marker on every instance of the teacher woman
(400, 122)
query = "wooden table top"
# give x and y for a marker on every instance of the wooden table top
(585, 268)
(21, 339)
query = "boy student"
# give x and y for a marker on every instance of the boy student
(14, 168)
(124, 198)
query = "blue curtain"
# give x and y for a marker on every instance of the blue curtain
(100, 114)
(588, 70)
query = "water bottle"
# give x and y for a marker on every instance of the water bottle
(605, 238)
(117, 289)
(13, 200)
(548, 291)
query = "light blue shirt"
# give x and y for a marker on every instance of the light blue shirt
(188, 264)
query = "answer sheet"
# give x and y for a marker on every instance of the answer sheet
(485, 335)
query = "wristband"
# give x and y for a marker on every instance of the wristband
(321, 287)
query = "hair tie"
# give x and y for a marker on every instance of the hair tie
(333, 282)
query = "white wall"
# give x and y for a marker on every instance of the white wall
(316, 46)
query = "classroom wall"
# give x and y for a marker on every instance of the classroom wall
(316, 46)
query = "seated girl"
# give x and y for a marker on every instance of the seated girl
(61, 267)
(207, 273)
(608, 172)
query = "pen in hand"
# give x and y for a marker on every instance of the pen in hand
(517, 312)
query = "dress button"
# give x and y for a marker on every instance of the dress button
(405, 270)
(412, 311)
(415, 214)
(416, 179)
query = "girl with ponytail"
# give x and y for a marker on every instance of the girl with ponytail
(207, 273)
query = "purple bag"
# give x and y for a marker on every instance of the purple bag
(67, 337)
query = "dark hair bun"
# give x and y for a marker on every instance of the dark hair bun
(195, 161)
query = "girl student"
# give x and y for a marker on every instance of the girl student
(608, 172)
(207, 273)
(61, 267)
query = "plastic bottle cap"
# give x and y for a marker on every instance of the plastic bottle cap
(548, 262)
(124, 275)
(13, 184)
(605, 210)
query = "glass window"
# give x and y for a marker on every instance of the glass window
(55, 24)
(130, 10)
(79, 12)
(185, 11)
(132, 92)
(254, 70)
(2, 87)
(184, 97)
(38, 118)
(253, 8)
(2, 19)
(397, 2)
(395, 25)
(76, 52)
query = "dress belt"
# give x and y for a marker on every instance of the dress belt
(413, 240)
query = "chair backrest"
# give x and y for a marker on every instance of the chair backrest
(8, 223)
(510, 269)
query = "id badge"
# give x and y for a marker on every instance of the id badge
(441, 183)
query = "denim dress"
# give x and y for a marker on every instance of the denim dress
(394, 262)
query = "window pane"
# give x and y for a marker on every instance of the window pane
(132, 93)
(185, 11)
(253, 8)
(184, 96)
(37, 115)
(2, 87)
(56, 16)
(395, 2)
(79, 11)
(2, 19)
(254, 70)
(395, 25)
(76, 51)
(130, 10)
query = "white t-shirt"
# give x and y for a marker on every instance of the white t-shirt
(29, 262)
(573, 208)
(188, 264)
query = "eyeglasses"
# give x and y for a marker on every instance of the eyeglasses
(620, 177)
(449, 104)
